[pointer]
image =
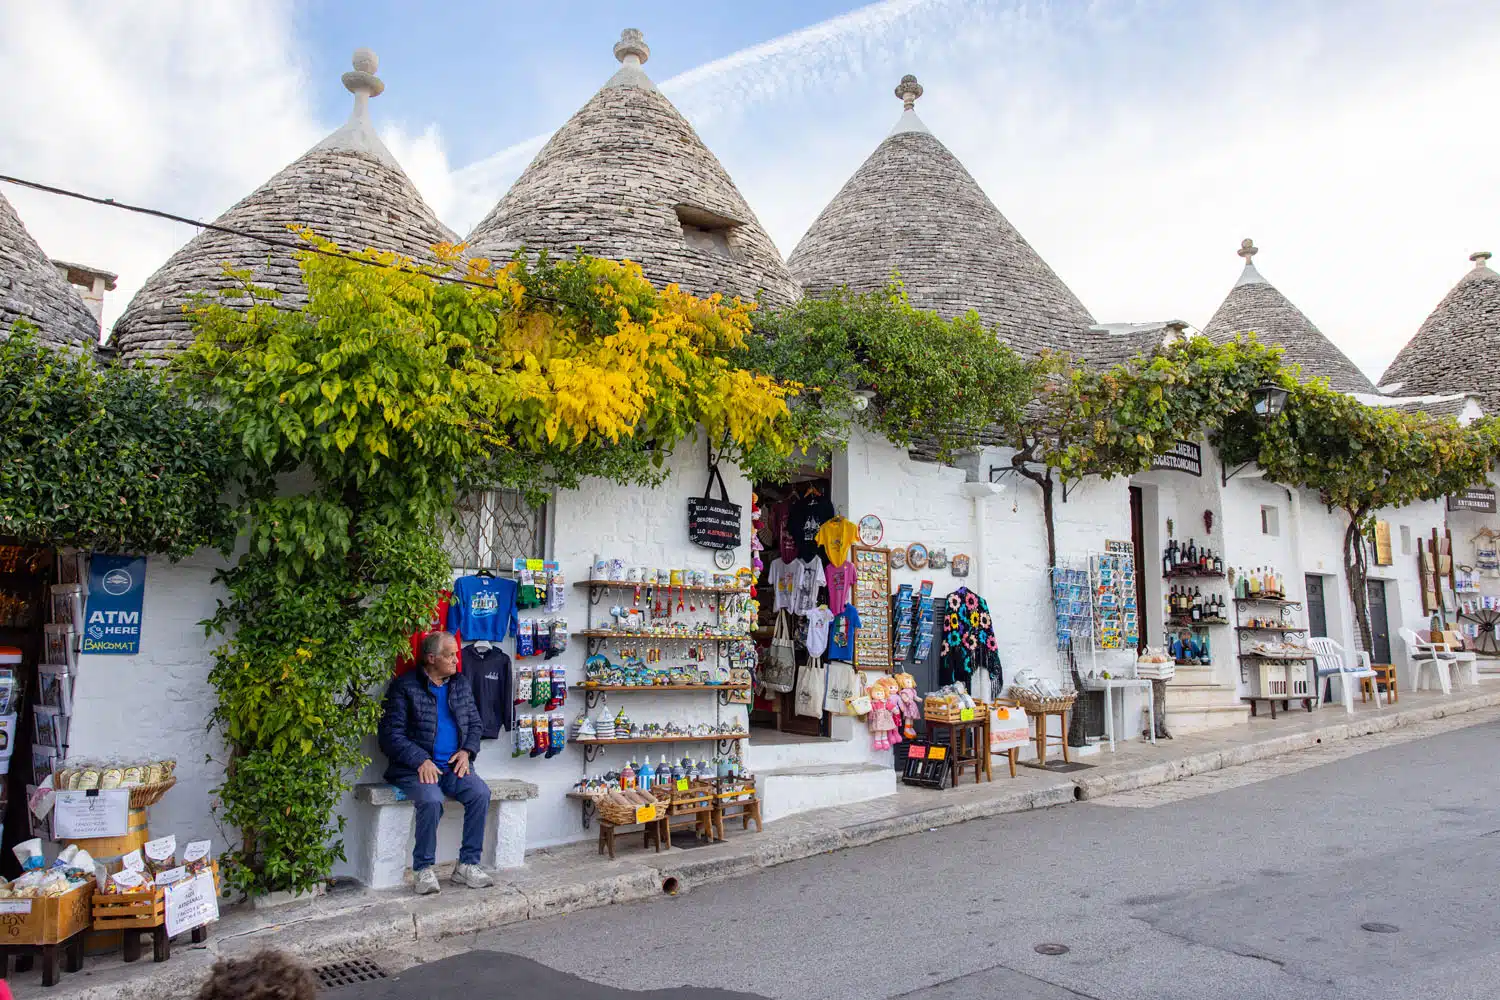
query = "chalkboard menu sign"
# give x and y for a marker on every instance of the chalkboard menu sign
(714, 524)
(872, 598)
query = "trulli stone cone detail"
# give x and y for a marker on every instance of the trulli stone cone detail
(31, 289)
(347, 188)
(627, 177)
(913, 209)
(1254, 305)
(1457, 348)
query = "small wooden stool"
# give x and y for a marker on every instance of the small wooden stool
(746, 809)
(1010, 753)
(968, 746)
(1385, 673)
(700, 809)
(1042, 739)
(653, 832)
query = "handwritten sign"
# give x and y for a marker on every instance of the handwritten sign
(98, 813)
(682, 784)
(937, 753)
(917, 751)
(15, 906)
(191, 903)
(966, 715)
(645, 814)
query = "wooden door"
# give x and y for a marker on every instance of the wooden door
(1143, 607)
(1317, 610)
(1380, 627)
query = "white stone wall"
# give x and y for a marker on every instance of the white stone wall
(156, 704)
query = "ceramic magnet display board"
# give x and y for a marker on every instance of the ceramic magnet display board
(872, 598)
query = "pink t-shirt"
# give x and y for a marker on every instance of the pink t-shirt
(840, 584)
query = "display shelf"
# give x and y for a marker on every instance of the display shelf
(1189, 623)
(630, 585)
(652, 687)
(717, 737)
(1193, 574)
(1286, 703)
(1270, 628)
(678, 636)
(1282, 657)
(1278, 601)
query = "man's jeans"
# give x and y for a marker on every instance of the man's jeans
(471, 792)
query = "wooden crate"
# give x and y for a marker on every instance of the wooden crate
(142, 910)
(44, 920)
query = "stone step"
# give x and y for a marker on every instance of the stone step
(791, 790)
(1194, 696)
(1187, 676)
(1197, 720)
(775, 751)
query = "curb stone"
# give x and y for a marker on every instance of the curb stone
(401, 923)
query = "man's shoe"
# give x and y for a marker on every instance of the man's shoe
(472, 876)
(426, 882)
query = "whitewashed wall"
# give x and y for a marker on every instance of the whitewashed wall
(156, 704)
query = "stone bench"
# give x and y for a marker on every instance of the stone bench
(390, 825)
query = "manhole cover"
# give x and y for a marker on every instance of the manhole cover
(1376, 927)
(338, 974)
(1051, 949)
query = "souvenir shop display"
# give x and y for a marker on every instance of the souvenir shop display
(960, 565)
(871, 531)
(1187, 559)
(937, 559)
(903, 616)
(892, 713)
(898, 558)
(916, 556)
(1116, 617)
(969, 643)
(1262, 581)
(714, 523)
(872, 590)
(923, 625)
(1275, 659)
(1072, 606)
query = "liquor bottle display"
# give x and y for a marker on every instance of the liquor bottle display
(1259, 583)
(1187, 559)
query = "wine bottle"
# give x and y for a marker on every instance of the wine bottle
(1219, 564)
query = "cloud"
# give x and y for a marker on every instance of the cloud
(172, 103)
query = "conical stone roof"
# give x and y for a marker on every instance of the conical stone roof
(627, 178)
(31, 289)
(348, 188)
(1254, 305)
(1457, 348)
(913, 209)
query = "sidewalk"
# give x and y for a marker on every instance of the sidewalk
(360, 923)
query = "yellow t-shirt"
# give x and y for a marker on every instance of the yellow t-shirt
(836, 536)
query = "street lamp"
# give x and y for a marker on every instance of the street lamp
(1266, 401)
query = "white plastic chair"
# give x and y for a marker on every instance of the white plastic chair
(1332, 661)
(1465, 663)
(1425, 654)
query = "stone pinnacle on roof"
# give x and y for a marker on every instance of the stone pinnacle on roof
(348, 188)
(1254, 305)
(912, 208)
(31, 289)
(627, 178)
(1457, 348)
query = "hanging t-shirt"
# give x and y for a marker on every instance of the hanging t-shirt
(841, 634)
(808, 515)
(490, 674)
(484, 608)
(818, 620)
(840, 581)
(809, 577)
(836, 536)
(783, 578)
(438, 622)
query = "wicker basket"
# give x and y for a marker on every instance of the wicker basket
(142, 796)
(1035, 704)
(618, 815)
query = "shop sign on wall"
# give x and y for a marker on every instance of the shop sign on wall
(1184, 456)
(112, 617)
(1383, 555)
(714, 524)
(1479, 499)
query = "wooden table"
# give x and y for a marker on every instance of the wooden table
(968, 745)
(1109, 685)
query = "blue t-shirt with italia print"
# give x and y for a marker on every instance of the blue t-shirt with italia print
(484, 607)
(841, 635)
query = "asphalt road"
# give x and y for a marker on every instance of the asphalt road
(1224, 886)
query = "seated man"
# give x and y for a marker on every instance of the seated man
(430, 732)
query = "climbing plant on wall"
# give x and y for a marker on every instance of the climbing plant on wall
(930, 381)
(1359, 459)
(358, 419)
(1115, 420)
(104, 457)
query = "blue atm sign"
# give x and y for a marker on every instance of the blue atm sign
(112, 616)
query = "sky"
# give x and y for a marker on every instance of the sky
(1134, 143)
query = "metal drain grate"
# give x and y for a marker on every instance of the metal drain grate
(337, 974)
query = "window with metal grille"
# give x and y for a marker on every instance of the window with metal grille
(495, 527)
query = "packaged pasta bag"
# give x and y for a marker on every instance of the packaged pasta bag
(125, 881)
(161, 855)
(195, 856)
